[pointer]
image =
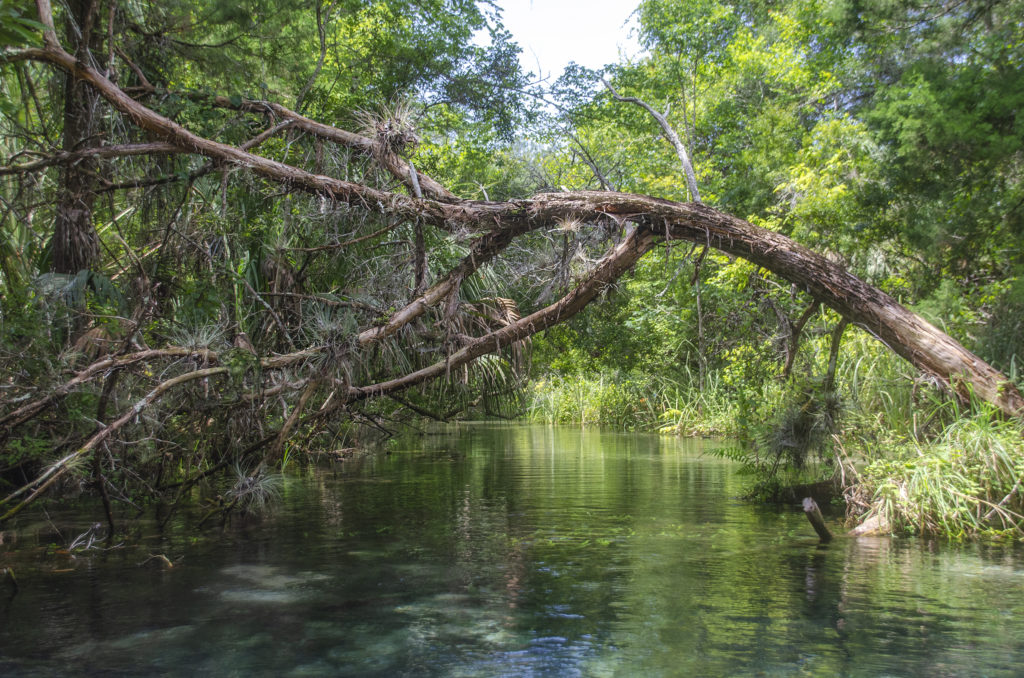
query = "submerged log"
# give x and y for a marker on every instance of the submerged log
(813, 514)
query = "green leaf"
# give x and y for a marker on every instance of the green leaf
(16, 30)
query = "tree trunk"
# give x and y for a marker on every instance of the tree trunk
(833, 355)
(75, 244)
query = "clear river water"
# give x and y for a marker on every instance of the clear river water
(511, 550)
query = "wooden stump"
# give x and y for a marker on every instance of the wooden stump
(813, 514)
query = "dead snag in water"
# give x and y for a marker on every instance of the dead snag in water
(813, 514)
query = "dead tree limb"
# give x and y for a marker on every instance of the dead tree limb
(813, 514)
(670, 135)
(63, 465)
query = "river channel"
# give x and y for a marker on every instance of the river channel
(511, 550)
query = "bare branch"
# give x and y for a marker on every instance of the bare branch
(322, 34)
(119, 151)
(670, 134)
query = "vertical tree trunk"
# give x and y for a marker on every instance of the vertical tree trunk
(701, 347)
(420, 262)
(833, 355)
(795, 331)
(75, 244)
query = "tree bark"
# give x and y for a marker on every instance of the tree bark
(75, 245)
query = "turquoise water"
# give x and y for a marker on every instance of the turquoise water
(512, 551)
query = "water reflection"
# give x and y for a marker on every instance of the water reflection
(520, 551)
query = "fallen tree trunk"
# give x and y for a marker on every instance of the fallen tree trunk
(925, 346)
(909, 335)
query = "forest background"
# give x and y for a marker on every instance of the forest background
(182, 319)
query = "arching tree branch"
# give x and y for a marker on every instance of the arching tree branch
(904, 332)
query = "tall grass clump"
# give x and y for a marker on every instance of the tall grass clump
(882, 391)
(711, 410)
(638, 402)
(964, 483)
(606, 399)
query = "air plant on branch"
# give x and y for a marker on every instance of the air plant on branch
(391, 126)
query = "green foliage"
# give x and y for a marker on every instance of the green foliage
(1001, 337)
(16, 25)
(885, 134)
(802, 426)
(965, 482)
(614, 400)
(211, 257)
(84, 287)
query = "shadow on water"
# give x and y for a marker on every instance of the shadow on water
(520, 551)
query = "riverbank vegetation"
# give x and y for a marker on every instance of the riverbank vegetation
(231, 236)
